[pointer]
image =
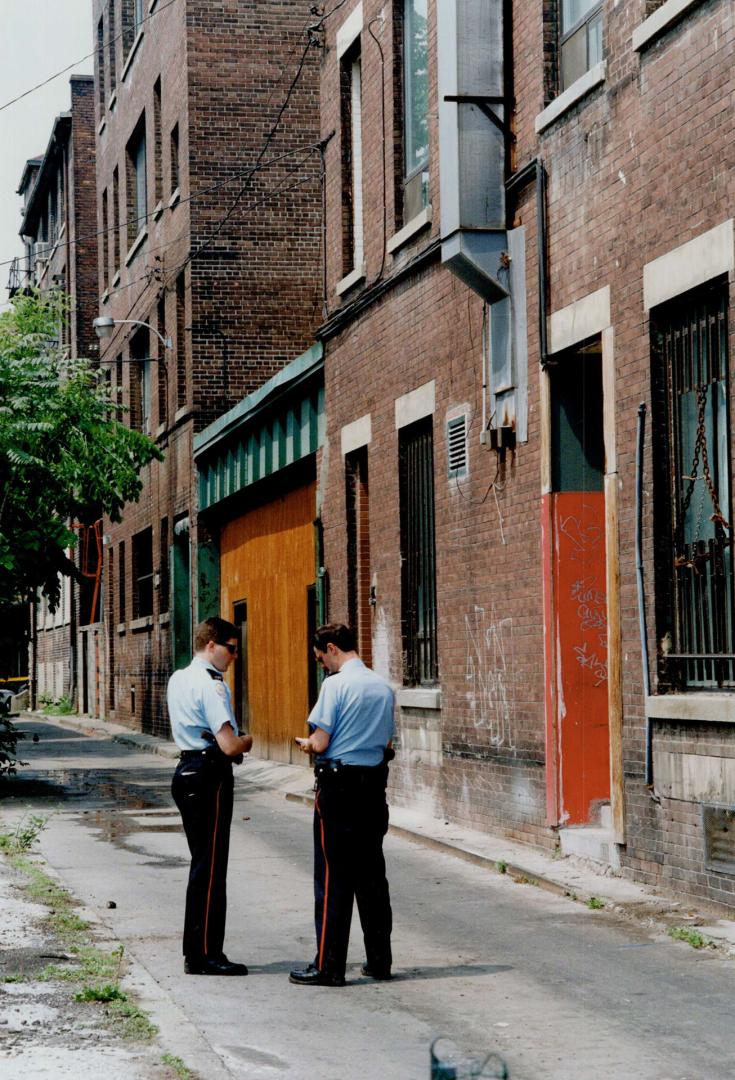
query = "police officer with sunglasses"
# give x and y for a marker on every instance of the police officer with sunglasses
(204, 728)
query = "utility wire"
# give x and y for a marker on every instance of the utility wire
(69, 67)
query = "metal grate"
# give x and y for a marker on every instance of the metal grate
(418, 555)
(693, 339)
(457, 447)
(719, 838)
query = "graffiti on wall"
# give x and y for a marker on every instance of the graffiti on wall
(590, 599)
(489, 674)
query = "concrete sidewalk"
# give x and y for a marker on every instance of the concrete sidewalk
(580, 880)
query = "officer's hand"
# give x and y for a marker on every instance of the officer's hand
(247, 743)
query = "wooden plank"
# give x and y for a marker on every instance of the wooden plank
(267, 559)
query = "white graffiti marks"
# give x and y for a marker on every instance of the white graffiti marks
(584, 538)
(489, 674)
(592, 615)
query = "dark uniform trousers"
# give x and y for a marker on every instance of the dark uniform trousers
(202, 788)
(350, 821)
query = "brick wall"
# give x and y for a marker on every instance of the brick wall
(636, 167)
(240, 297)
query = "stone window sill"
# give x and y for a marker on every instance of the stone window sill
(409, 230)
(164, 619)
(175, 196)
(663, 18)
(101, 126)
(113, 101)
(716, 708)
(122, 627)
(133, 50)
(137, 245)
(144, 623)
(352, 279)
(573, 94)
(158, 211)
(105, 296)
(419, 698)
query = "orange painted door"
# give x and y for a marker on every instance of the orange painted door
(580, 647)
(267, 563)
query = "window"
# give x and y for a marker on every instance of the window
(140, 381)
(162, 361)
(174, 158)
(121, 582)
(351, 114)
(115, 219)
(581, 39)
(158, 147)
(143, 574)
(132, 22)
(358, 549)
(418, 554)
(693, 552)
(163, 585)
(112, 45)
(415, 108)
(180, 340)
(105, 239)
(101, 66)
(136, 182)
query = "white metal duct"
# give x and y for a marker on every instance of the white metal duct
(472, 142)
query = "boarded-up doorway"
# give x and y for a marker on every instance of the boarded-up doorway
(267, 566)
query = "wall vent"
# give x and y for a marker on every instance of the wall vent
(457, 447)
(719, 838)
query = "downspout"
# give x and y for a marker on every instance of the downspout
(535, 171)
(640, 583)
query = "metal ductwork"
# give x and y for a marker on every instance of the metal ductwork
(473, 143)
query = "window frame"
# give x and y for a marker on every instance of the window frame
(143, 573)
(593, 14)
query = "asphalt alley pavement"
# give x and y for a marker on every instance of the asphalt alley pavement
(486, 958)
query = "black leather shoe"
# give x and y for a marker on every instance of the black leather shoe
(213, 966)
(379, 974)
(312, 976)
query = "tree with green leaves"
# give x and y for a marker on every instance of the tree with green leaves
(65, 454)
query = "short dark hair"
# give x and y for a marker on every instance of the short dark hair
(214, 629)
(339, 635)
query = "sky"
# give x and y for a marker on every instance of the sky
(37, 39)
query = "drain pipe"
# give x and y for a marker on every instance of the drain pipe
(535, 171)
(641, 434)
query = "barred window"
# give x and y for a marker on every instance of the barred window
(694, 600)
(418, 555)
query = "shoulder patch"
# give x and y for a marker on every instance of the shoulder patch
(219, 688)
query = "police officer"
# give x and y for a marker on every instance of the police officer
(204, 728)
(351, 731)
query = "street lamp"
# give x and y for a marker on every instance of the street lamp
(104, 326)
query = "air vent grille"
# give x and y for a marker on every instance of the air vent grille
(457, 446)
(719, 838)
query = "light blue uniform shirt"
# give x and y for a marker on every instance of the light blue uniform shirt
(198, 702)
(355, 708)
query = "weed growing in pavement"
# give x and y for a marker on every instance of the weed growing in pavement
(27, 831)
(63, 707)
(105, 993)
(177, 1065)
(501, 866)
(691, 936)
(594, 903)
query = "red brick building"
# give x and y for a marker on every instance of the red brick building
(529, 232)
(58, 228)
(208, 207)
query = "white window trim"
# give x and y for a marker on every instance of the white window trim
(408, 698)
(352, 278)
(357, 434)
(133, 50)
(580, 320)
(574, 93)
(136, 245)
(704, 707)
(416, 405)
(661, 20)
(692, 264)
(349, 31)
(409, 229)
